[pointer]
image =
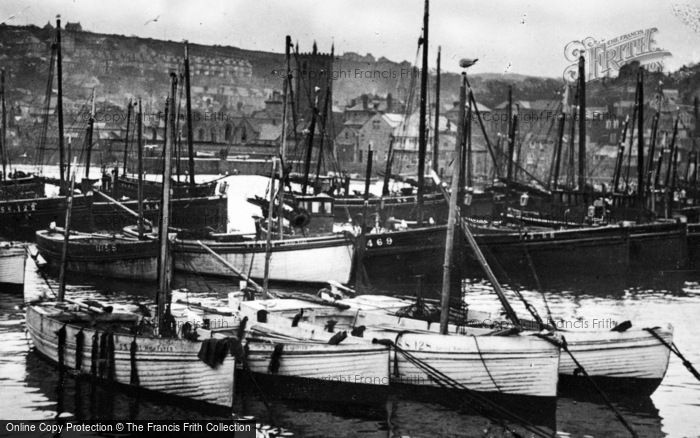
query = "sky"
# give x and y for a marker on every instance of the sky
(507, 36)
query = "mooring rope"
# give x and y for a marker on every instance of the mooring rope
(445, 381)
(564, 346)
(672, 346)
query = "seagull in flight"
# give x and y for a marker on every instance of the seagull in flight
(13, 16)
(154, 20)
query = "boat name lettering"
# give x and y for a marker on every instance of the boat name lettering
(105, 247)
(379, 242)
(18, 208)
(146, 347)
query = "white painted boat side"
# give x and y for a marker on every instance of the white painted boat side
(308, 260)
(169, 366)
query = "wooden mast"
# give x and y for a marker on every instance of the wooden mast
(126, 137)
(436, 132)
(511, 135)
(640, 137)
(188, 107)
(652, 149)
(283, 145)
(310, 145)
(4, 150)
(59, 107)
(64, 249)
(268, 240)
(422, 140)
(620, 156)
(164, 259)
(582, 123)
(452, 216)
(139, 145)
(88, 146)
(557, 151)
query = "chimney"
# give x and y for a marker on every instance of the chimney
(365, 101)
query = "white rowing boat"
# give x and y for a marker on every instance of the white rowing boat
(100, 345)
(479, 359)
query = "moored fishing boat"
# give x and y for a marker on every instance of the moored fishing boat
(125, 348)
(482, 360)
(114, 256)
(396, 257)
(102, 345)
(314, 259)
(13, 257)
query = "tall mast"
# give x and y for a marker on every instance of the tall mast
(452, 215)
(126, 137)
(581, 123)
(139, 146)
(188, 105)
(557, 151)
(164, 259)
(268, 240)
(620, 156)
(310, 145)
(511, 135)
(652, 148)
(436, 132)
(669, 181)
(88, 146)
(422, 141)
(59, 107)
(640, 136)
(3, 139)
(283, 146)
(66, 234)
(467, 132)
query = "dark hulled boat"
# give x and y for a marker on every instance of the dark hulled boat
(398, 257)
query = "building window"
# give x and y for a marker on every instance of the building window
(227, 134)
(200, 134)
(360, 155)
(213, 135)
(376, 124)
(154, 134)
(244, 136)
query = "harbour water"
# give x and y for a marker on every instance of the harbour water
(32, 388)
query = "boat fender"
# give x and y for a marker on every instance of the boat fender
(358, 332)
(301, 219)
(79, 347)
(385, 342)
(241, 327)
(275, 359)
(237, 350)
(262, 315)
(338, 338)
(330, 325)
(622, 327)
(61, 346)
(94, 354)
(134, 378)
(297, 317)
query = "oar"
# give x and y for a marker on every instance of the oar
(225, 262)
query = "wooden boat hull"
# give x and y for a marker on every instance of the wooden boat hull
(632, 361)
(12, 262)
(354, 364)
(169, 366)
(302, 260)
(126, 186)
(21, 218)
(516, 365)
(400, 207)
(513, 365)
(187, 213)
(398, 257)
(103, 256)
